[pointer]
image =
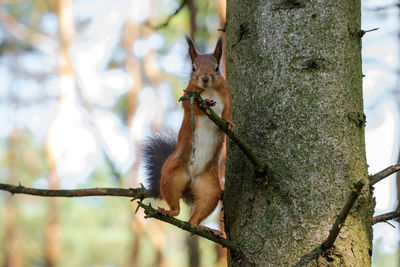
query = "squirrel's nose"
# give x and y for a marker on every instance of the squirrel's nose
(205, 79)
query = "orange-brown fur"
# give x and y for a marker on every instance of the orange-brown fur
(176, 174)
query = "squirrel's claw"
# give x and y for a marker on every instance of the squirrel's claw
(231, 125)
(210, 102)
(169, 213)
(213, 231)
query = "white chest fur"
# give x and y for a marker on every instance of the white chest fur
(207, 137)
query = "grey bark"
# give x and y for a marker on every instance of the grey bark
(294, 71)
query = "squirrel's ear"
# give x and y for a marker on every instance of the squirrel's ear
(218, 49)
(192, 50)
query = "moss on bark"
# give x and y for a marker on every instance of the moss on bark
(294, 71)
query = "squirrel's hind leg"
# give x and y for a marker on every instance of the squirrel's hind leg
(206, 192)
(171, 187)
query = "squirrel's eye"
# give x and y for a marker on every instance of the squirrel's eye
(193, 68)
(217, 68)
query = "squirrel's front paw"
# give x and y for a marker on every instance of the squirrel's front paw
(210, 102)
(231, 125)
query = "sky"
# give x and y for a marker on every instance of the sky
(381, 66)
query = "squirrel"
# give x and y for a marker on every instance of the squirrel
(173, 172)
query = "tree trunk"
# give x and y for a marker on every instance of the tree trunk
(294, 71)
(52, 231)
(64, 11)
(12, 238)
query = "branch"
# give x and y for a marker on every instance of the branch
(136, 193)
(165, 24)
(355, 192)
(27, 35)
(261, 169)
(386, 217)
(381, 8)
(334, 232)
(363, 32)
(153, 213)
(373, 179)
(309, 257)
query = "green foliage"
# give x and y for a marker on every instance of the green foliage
(122, 107)
(24, 158)
(30, 13)
(95, 231)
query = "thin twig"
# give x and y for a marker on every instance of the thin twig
(390, 224)
(362, 32)
(381, 8)
(386, 217)
(371, 30)
(25, 34)
(166, 22)
(261, 169)
(136, 193)
(153, 213)
(383, 174)
(191, 101)
(334, 232)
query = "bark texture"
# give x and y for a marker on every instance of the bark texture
(294, 71)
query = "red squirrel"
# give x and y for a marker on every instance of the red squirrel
(173, 172)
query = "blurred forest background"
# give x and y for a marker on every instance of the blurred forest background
(83, 82)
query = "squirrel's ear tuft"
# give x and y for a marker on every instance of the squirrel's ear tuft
(192, 50)
(218, 49)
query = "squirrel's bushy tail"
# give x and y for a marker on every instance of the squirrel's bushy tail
(155, 151)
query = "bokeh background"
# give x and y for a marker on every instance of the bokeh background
(83, 82)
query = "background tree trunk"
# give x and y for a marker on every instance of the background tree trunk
(64, 11)
(294, 71)
(12, 233)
